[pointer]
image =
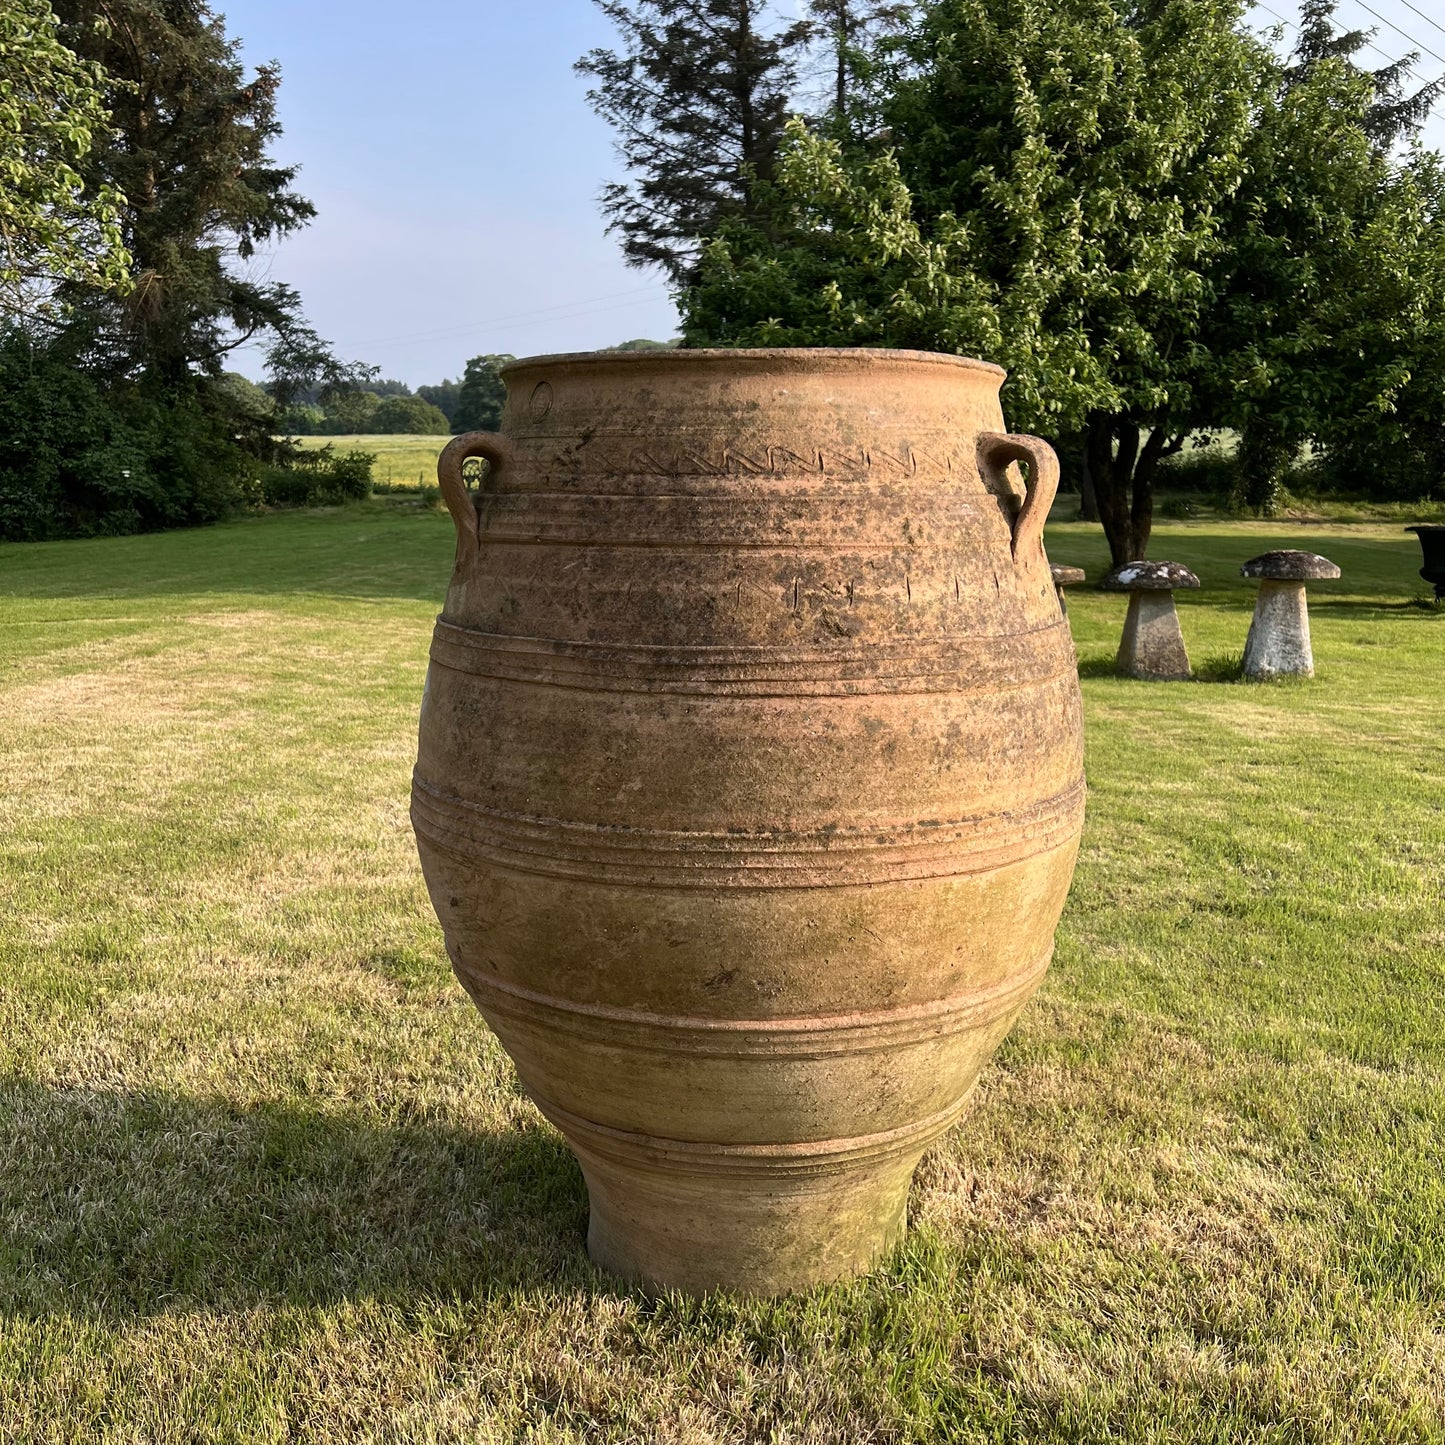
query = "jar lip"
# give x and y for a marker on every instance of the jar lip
(787, 356)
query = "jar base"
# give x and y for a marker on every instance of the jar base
(761, 1219)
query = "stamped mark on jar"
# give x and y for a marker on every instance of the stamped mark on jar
(541, 402)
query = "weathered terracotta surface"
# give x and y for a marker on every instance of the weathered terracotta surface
(750, 782)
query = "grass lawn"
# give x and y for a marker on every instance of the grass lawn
(265, 1176)
(401, 461)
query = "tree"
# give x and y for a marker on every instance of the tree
(80, 455)
(442, 395)
(1311, 306)
(52, 110)
(1149, 218)
(482, 393)
(128, 421)
(409, 414)
(697, 94)
(1051, 202)
(849, 27)
(1391, 114)
(350, 412)
(189, 148)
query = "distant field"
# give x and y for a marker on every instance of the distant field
(265, 1175)
(400, 460)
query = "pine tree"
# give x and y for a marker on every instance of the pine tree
(1271, 436)
(849, 29)
(1392, 114)
(697, 93)
(189, 149)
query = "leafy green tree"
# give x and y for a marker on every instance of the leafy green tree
(697, 94)
(1052, 204)
(52, 110)
(482, 394)
(246, 398)
(1143, 213)
(1324, 302)
(442, 395)
(409, 414)
(351, 412)
(81, 455)
(189, 148)
(303, 419)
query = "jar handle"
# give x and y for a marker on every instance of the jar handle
(995, 451)
(492, 446)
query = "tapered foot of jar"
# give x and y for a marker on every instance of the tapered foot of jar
(762, 1219)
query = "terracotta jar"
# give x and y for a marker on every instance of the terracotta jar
(750, 781)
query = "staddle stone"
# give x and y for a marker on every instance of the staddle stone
(1065, 577)
(1152, 647)
(1279, 635)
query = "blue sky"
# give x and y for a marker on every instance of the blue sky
(455, 164)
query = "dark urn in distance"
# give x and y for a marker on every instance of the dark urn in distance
(1432, 544)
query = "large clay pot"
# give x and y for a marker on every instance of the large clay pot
(750, 782)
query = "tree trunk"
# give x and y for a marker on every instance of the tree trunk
(1123, 459)
(1088, 498)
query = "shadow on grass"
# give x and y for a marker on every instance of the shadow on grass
(126, 1204)
(1352, 608)
(1220, 667)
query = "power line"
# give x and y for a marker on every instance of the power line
(1423, 16)
(1383, 54)
(1294, 25)
(1432, 54)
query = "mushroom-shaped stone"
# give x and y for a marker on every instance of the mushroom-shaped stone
(1279, 636)
(1152, 646)
(1065, 577)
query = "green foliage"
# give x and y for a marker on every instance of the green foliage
(1154, 223)
(697, 94)
(1050, 204)
(302, 421)
(444, 396)
(407, 414)
(245, 397)
(482, 394)
(319, 478)
(121, 417)
(350, 411)
(642, 343)
(848, 27)
(52, 112)
(79, 458)
(189, 148)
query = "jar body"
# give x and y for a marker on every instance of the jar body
(749, 786)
